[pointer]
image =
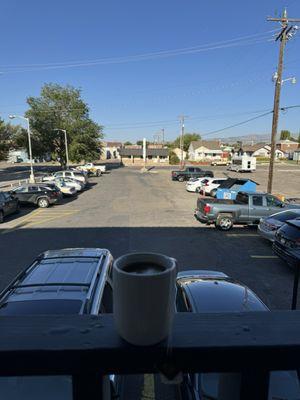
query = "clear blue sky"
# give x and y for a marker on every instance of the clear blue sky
(215, 88)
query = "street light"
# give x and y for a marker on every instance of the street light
(66, 144)
(31, 177)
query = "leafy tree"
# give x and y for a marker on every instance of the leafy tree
(8, 135)
(284, 134)
(140, 143)
(127, 144)
(187, 139)
(62, 107)
(173, 159)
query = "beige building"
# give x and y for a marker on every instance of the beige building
(202, 150)
(134, 155)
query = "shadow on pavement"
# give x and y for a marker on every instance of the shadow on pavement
(205, 248)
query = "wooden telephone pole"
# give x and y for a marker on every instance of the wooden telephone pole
(283, 36)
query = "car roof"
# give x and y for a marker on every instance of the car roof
(60, 275)
(213, 293)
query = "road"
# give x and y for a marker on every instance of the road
(127, 211)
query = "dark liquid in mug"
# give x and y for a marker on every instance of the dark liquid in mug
(144, 268)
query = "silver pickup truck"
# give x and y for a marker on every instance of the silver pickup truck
(247, 209)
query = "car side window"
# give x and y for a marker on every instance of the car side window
(273, 202)
(107, 299)
(58, 174)
(21, 189)
(257, 200)
(68, 174)
(6, 196)
(33, 188)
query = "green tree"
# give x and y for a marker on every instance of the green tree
(62, 107)
(140, 143)
(8, 135)
(284, 134)
(173, 159)
(187, 139)
(127, 143)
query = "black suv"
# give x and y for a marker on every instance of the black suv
(287, 242)
(8, 205)
(38, 194)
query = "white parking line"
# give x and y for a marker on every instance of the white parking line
(271, 257)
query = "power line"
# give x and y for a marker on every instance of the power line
(240, 41)
(238, 124)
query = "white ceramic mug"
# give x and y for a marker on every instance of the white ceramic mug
(144, 297)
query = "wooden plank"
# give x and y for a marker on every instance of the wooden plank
(199, 342)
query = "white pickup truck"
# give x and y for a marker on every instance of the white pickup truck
(92, 168)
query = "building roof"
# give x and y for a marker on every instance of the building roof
(139, 152)
(253, 148)
(209, 144)
(286, 141)
(113, 144)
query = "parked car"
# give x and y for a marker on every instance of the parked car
(287, 242)
(268, 226)
(92, 168)
(38, 194)
(247, 209)
(194, 184)
(210, 184)
(222, 161)
(78, 175)
(8, 205)
(190, 172)
(65, 189)
(58, 282)
(201, 291)
(79, 185)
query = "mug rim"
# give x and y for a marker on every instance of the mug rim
(121, 260)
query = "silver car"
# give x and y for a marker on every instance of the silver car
(268, 225)
(67, 281)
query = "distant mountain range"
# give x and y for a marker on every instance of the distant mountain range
(248, 139)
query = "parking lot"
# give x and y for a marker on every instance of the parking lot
(125, 210)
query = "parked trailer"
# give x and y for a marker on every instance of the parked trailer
(243, 164)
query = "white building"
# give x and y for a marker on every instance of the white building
(20, 155)
(202, 150)
(110, 150)
(259, 150)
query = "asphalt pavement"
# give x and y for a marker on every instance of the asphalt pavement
(127, 211)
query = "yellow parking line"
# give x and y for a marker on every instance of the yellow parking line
(47, 219)
(37, 218)
(148, 392)
(264, 257)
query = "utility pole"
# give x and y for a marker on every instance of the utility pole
(163, 135)
(181, 118)
(284, 35)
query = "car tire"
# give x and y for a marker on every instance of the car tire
(181, 179)
(1, 217)
(224, 222)
(98, 173)
(197, 190)
(43, 202)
